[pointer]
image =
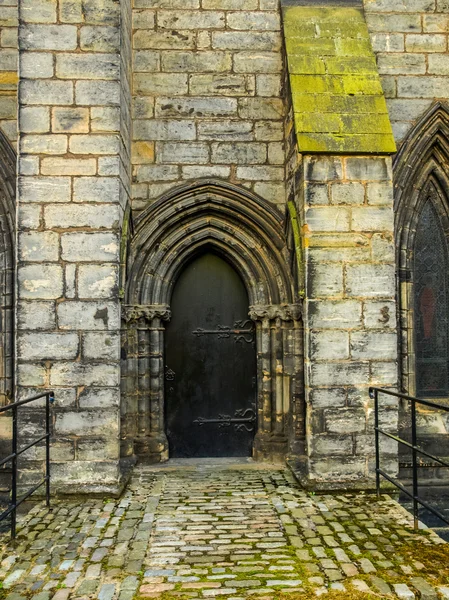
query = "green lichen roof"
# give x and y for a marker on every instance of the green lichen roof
(338, 100)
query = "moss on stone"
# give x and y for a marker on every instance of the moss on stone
(333, 71)
(298, 246)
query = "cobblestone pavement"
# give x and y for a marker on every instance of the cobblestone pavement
(215, 528)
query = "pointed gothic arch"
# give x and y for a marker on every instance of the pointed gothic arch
(7, 236)
(421, 186)
(249, 233)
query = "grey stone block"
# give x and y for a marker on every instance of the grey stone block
(74, 373)
(48, 37)
(47, 346)
(97, 281)
(89, 316)
(87, 247)
(40, 281)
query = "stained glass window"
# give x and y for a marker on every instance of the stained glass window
(431, 305)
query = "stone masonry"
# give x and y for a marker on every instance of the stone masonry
(409, 39)
(207, 96)
(350, 320)
(72, 195)
(122, 105)
(8, 69)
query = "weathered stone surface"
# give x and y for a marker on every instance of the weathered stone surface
(72, 373)
(39, 246)
(94, 217)
(90, 316)
(87, 247)
(48, 37)
(101, 345)
(37, 315)
(40, 281)
(97, 281)
(72, 120)
(36, 65)
(45, 346)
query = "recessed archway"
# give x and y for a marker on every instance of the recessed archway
(248, 233)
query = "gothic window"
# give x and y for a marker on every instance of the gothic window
(421, 176)
(431, 304)
(7, 213)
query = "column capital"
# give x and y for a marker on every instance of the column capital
(134, 312)
(284, 312)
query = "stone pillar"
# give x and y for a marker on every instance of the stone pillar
(276, 374)
(349, 314)
(143, 427)
(71, 198)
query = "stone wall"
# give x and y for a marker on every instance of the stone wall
(410, 41)
(8, 69)
(210, 100)
(207, 86)
(72, 196)
(349, 312)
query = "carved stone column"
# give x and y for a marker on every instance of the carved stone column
(275, 373)
(128, 384)
(145, 370)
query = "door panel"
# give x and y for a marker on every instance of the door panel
(210, 363)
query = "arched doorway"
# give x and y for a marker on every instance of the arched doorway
(210, 363)
(247, 234)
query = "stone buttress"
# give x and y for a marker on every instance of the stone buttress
(339, 180)
(74, 124)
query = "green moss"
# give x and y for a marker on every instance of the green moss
(361, 84)
(306, 65)
(346, 144)
(339, 65)
(319, 122)
(352, 47)
(336, 90)
(298, 246)
(335, 103)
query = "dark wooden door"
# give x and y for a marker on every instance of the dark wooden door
(210, 377)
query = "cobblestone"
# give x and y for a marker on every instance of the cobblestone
(209, 528)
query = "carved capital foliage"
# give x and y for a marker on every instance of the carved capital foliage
(284, 312)
(132, 313)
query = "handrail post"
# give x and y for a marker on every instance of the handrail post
(374, 394)
(378, 430)
(14, 473)
(414, 466)
(48, 398)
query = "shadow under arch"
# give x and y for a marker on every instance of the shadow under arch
(234, 221)
(248, 232)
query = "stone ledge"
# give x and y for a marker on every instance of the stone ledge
(360, 485)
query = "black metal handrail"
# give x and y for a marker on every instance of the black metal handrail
(14, 503)
(374, 394)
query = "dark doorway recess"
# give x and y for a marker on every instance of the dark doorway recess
(210, 357)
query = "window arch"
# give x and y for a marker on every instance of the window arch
(7, 227)
(422, 242)
(431, 303)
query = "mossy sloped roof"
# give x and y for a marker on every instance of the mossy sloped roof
(338, 102)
